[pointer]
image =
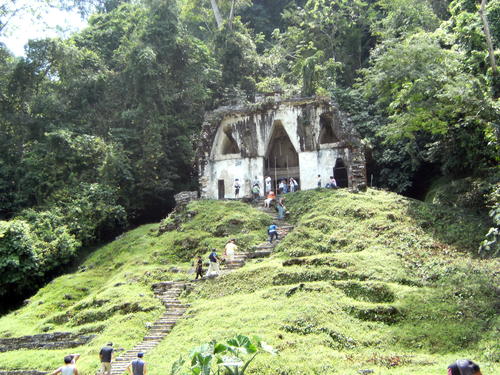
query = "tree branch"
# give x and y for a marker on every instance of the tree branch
(216, 11)
(487, 34)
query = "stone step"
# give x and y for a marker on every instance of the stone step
(150, 338)
(170, 299)
(265, 246)
(166, 321)
(173, 314)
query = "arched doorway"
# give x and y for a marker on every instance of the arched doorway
(281, 161)
(340, 173)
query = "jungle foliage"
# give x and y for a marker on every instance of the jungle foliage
(97, 130)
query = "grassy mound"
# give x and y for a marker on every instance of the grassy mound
(365, 281)
(111, 295)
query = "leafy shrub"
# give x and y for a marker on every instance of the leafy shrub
(29, 251)
(18, 259)
(232, 357)
(91, 211)
(490, 246)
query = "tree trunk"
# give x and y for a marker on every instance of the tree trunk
(217, 15)
(231, 15)
(487, 34)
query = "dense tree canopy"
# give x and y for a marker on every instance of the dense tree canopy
(97, 130)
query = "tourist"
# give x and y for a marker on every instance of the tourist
(281, 185)
(199, 267)
(69, 367)
(137, 366)
(269, 184)
(293, 185)
(319, 181)
(74, 358)
(285, 186)
(213, 268)
(256, 181)
(273, 232)
(255, 192)
(332, 184)
(464, 367)
(281, 209)
(106, 355)
(230, 249)
(269, 200)
(237, 187)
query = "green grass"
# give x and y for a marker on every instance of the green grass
(365, 281)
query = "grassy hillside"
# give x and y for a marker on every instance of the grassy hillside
(365, 281)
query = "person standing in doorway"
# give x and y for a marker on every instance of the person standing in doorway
(269, 184)
(138, 366)
(69, 367)
(237, 187)
(106, 355)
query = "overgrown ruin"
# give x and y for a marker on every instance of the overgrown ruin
(300, 138)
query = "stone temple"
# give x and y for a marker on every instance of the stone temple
(281, 138)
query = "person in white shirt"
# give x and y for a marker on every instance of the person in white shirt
(230, 249)
(69, 367)
(269, 184)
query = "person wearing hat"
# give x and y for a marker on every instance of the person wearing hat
(106, 355)
(137, 366)
(464, 367)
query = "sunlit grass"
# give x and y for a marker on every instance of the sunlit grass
(371, 281)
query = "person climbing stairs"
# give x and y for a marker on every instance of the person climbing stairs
(169, 292)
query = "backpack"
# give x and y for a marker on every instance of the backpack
(213, 257)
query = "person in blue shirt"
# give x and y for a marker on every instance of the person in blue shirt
(273, 232)
(137, 366)
(213, 268)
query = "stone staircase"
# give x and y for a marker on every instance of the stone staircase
(265, 248)
(168, 292)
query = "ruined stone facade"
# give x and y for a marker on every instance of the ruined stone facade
(299, 138)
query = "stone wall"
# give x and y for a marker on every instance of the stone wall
(184, 197)
(56, 340)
